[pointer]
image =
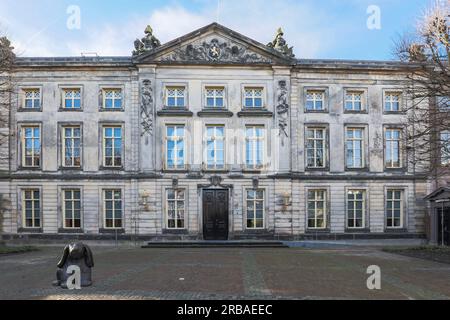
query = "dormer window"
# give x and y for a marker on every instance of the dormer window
(253, 97)
(215, 97)
(176, 97)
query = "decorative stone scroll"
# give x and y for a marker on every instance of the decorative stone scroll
(147, 106)
(283, 110)
(215, 51)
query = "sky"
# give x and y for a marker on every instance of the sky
(318, 29)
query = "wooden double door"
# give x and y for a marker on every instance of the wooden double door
(215, 214)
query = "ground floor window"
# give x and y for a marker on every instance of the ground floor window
(255, 209)
(113, 209)
(394, 208)
(356, 209)
(175, 208)
(31, 207)
(317, 207)
(72, 209)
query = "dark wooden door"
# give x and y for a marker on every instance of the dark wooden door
(215, 214)
(446, 227)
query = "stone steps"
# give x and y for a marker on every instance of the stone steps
(216, 244)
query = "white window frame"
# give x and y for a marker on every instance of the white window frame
(355, 201)
(252, 90)
(176, 201)
(255, 201)
(315, 99)
(215, 138)
(73, 200)
(254, 141)
(353, 93)
(215, 96)
(114, 215)
(355, 141)
(175, 138)
(391, 149)
(393, 200)
(315, 149)
(33, 99)
(72, 98)
(33, 151)
(176, 96)
(33, 209)
(73, 139)
(445, 147)
(114, 138)
(388, 99)
(113, 99)
(316, 201)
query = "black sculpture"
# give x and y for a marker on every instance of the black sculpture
(75, 254)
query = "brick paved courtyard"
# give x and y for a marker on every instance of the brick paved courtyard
(131, 273)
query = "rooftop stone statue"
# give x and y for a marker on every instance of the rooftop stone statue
(280, 44)
(147, 43)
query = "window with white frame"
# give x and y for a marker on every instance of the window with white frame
(394, 208)
(175, 157)
(254, 147)
(31, 208)
(176, 97)
(316, 147)
(356, 209)
(315, 100)
(72, 98)
(112, 146)
(392, 101)
(215, 147)
(443, 102)
(393, 148)
(31, 146)
(355, 147)
(317, 209)
(253, 97)
(112, 99)
(71, 146)
(176, 208)
(32, 99)
(113, 209)
(445, 147)
(72, 209)
(215, 97)
(354, 100)
(255, 208)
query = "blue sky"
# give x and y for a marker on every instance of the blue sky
(328, 29)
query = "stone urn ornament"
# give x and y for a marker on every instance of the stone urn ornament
(75, 267)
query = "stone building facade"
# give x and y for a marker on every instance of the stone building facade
(210, 136)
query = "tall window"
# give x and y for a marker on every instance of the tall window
(215, 97)
(356, 207)
(112, 146)
(255, 209)
(31, 146)
(445, 147)
(353, 101)
(317, 206)
(253, 97)
(175, 147)
(112, 99)
(315, 100)
(392, 101)
(394, 209)
(72, 209)
(315, 147)
(175, 208)
(176, 97)
(254, 147)
(113, 209)
(72, 146)
(393, 148)
(72, 98)
(215, 147)
(31, 208)
(32, 98)
(355, 147)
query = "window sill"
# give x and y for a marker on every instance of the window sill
(29, 169)
(29, 110)
(184, 170)
(395, 170)
(365, 169)
(324, 169)
(70, 231)
(176, 231)
(111, 110)
(210, 112)
(29, 230)
(395, 230)
(387, 113)
(68, 169)
(175, 112)
(111, 231)
(316, 111)
(356, 112)
(255, 113)
(357, 230)
(315, 231)
(112, 169)
(70, 110)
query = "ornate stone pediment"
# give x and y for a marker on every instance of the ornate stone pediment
(214, 49)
